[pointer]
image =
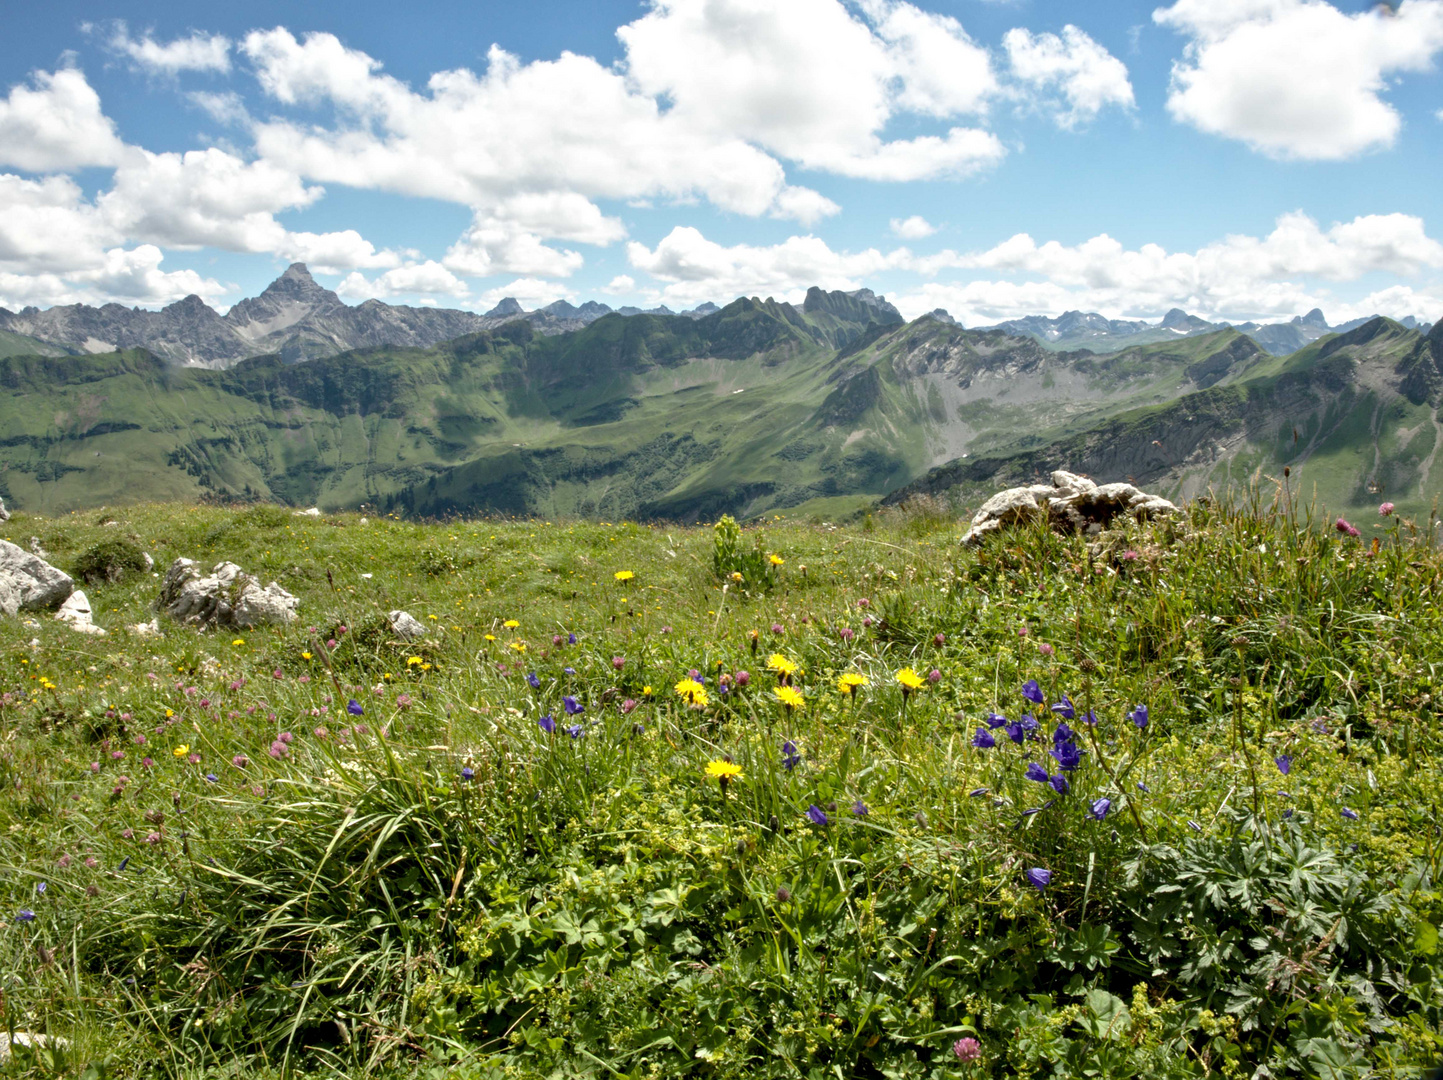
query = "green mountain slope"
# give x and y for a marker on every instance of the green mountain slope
(756, 407)
(1354, 417)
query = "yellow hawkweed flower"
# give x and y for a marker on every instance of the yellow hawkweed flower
(910, 680)
(781, 665)
(737, 576)
(624, 575)
(790, 696)
(239, 641)
(511, 624)
(851, 682)
(490, 637)
(776, 560)
(723, 770)
(181, 750)
(518, 646)
(692, 692)
(412, 661)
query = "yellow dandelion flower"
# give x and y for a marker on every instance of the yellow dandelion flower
(239, 641)
(623, 575)
(737, 576)
(425, 667)
(490, 637)
(511, 624)
(723, 770)
(781, 665)
(692, 692)
(412, 661)
(910, 680)
(647, 691)
(181, 750)
(776, 560)
(790, 696)
(518, 646)
(305, 656)
(851, 682)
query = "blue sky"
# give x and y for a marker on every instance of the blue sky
(1239, 158)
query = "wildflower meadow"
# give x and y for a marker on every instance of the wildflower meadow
(788, 799)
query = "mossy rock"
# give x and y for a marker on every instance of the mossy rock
(110, 561)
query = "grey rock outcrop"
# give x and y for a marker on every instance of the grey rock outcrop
(404, 626)
(227, 596)
(4, 514)
(1071, 503)
(75, 613)
(29, 583)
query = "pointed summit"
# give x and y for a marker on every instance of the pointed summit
(1313, 318)
(508, 307)
(297, 284)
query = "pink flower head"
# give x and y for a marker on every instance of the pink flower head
(240, 761)
(1386, 509)
(1045, 649)
(286, 737)
(320, 733)
(864, 602)
(194, 759)
(939, 640)
(867, 621)
(147, 763)
(91, 863)
(95, 766)
(128, 834)
(934, 676)
(117, 755)
(967, 1050)
(1343, 526)
(846, 633)
(152, 838)
(556, 639)
(777, 628)
(627, 706)
(63, 861)
(1129, 555)
(743, 677)
(618, 662)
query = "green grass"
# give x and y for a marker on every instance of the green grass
(439, 887)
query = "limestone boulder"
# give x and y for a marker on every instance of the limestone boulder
(226, 596)
(29, 583)
(403, 625)
(75, 613)
(1071, 503)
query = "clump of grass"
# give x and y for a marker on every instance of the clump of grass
(614, 814)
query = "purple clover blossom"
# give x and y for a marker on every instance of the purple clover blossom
(1100, 807)
(1039, 878)
(1064, 708)
(573, 707)
(983, 740)
(1284, 763)
(1059, 784)
(995, 720)
(1386, 509)
(547, 725)
(354, 707)
(1036, 773)
(1032, 692)
(533, 680)
(1139, 716)
(817, 815)
(967, 1050)
(1344, 527)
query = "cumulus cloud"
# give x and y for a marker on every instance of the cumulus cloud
(56, 124)
(530, 293)
(621, 285)
(1237, 277)
(196, 52)
(1073, 77)
(427, 278)
(696, 269)
(912, 228)
(1297, 79)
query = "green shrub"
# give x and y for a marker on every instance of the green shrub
(110, 561)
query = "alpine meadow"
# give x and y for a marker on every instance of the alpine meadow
(721, 540)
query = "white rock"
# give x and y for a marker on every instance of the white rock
(26, 1039)
(312, 512)
(146, 629)
(30, 582)
(149, 562)
(4, 514)
(227, 596)
(404, 626)
(75, 613)
(36, 549)
(1071, 502)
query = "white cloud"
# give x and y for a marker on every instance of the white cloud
(224, 108)
(132, 276)
(813, 83)
(621, 285)
(47, 227)
(1237, 277)
(697, 269)
(56, 124)
(912, 228)
(430, 278)
(1086, 76)
(333, 252)
(198, 52)
(1297, 78)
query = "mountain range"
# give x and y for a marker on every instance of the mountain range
(822, 407)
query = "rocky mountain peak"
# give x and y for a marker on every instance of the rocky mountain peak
(296, 282)
(509, 306)
(1312, 318)
(1176, 319)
